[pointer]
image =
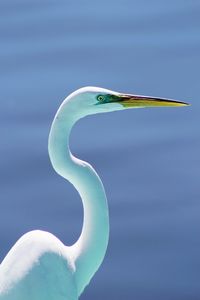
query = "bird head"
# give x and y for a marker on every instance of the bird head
(91, 100)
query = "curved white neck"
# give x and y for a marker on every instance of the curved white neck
(89, 250)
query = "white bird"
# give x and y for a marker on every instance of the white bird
(39, 266)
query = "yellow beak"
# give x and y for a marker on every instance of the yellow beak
(130, 101)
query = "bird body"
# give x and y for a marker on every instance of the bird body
(39, 266)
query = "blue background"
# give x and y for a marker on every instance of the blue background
(148, 159)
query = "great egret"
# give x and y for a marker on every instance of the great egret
(39, 266)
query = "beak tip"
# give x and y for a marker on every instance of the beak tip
(186, 104)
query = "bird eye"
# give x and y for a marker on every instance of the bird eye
(100, 98)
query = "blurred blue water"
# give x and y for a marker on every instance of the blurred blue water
(148, 159)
